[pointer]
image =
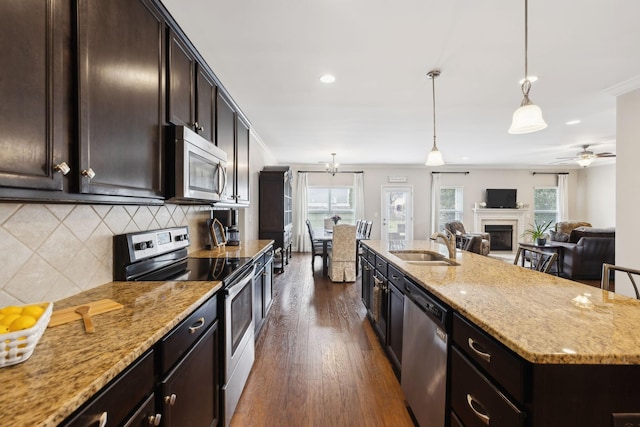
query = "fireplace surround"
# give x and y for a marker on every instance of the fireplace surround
(515, 217)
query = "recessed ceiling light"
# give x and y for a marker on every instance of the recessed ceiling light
(572, 122)
(531, 79)
(328, 78)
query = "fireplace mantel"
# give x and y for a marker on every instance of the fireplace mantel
(518, 217)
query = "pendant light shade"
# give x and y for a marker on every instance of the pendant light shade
(527, 118)
(435, 156)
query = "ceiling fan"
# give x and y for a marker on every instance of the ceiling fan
(585, 157)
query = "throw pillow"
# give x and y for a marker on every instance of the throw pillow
(558, 236)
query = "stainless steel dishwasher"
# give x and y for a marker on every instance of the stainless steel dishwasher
(424, 356)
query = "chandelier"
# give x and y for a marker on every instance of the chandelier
(332, 167)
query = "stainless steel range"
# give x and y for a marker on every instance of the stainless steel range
(162, 255)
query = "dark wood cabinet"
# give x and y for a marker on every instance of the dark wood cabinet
(395, 325)
(121, 97)
(122, 399)
(276, 203)
(242, 161)
(262, 290)
(191, 390)
(191, 90)
(35, 89)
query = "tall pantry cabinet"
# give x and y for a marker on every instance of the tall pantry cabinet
(276, 204)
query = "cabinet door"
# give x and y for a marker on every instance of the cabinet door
(181, 99)
(121, 97)
(258, 281)
(242, 162)
(190, 393)
(205, 104)
(395, 326)
(35, 92)
(225, 140)
(366, 284)
(267, 287)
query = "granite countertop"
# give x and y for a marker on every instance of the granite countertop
(543, 318)
(69, 366)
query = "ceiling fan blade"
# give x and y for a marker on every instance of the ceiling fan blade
(605, 155)
(567, 158)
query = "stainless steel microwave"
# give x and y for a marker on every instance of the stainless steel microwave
(196, 168)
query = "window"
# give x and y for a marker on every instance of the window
(450, 205)
(545, 204)
(323, 202)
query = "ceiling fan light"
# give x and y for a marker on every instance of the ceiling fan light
(584, 161)
(434, 158)
(527, 119)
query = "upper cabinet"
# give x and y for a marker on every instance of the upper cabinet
(121, 97)
(192, 90)
(232, 136)
(35, 89)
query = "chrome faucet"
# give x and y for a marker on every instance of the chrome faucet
(449, 240)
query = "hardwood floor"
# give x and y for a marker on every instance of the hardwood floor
(318, 361)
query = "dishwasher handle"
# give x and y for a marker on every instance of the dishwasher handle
(426, 304)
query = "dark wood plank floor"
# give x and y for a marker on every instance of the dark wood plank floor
(318, 362)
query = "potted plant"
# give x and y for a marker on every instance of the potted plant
(538, 232)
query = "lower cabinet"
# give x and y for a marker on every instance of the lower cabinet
(175, 383)
(262, 290)
(189, 392)
(395, 325)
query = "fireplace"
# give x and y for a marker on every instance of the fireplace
(516, 218)
(501, 236)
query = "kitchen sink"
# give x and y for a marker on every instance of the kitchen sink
(430, 258)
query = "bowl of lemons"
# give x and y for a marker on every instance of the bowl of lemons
(20, 330)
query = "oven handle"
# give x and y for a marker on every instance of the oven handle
(234, 289)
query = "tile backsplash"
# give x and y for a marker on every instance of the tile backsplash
(49, 252)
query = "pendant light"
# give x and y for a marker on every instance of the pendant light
(527, 118)
(333, 167)
(435, 156)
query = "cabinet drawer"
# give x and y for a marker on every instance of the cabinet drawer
(178, 341)
(381, 265)
(371, 256)
(476, 401)
(117, 400)
(455, 421)
(506, 368)
(396, 277)
(259, 263)
(364, 252)
(146, 414)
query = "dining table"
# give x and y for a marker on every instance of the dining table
(326, 236)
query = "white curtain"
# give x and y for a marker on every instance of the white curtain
(358, 195)
(301, 239)
(435, 201)
(563, 197)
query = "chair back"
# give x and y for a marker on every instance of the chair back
(344, 243)
(607, 269)
(455, 227)
(366, 232)
(310, 229)
(535, 259)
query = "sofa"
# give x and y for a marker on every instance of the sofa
(585, 250)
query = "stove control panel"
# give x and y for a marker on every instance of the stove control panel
(147, 244)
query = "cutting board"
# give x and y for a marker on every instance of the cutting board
(66, 315)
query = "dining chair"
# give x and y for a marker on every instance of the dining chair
(535, 259)
(607, 269)
(367, 232)
(316, 246)
(342, 257)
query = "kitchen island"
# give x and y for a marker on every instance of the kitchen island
(575, 349)
(69, 366)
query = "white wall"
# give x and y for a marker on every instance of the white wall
(596, 197)
(627, 178)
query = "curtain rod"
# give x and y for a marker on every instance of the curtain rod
(551, 173)
(331, 173)
(465, 173)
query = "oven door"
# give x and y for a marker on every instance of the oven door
(200, 168)
(238, 321)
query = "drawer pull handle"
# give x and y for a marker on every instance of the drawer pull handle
(154, 420)
(102, 421)
(199, 324)
(471, 401)
(484, 355)
(170, 400)
(394, 277)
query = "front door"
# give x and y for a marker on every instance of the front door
(397, 213)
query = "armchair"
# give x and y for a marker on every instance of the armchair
(479, 243)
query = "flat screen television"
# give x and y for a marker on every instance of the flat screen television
(501, 198)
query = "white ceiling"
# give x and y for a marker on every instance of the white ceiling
(271, 54)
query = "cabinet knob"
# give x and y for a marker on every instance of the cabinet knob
(170, 400)
(62, 167)
(197, 127)
(154, 420)
(102, 421)
(89, 173)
